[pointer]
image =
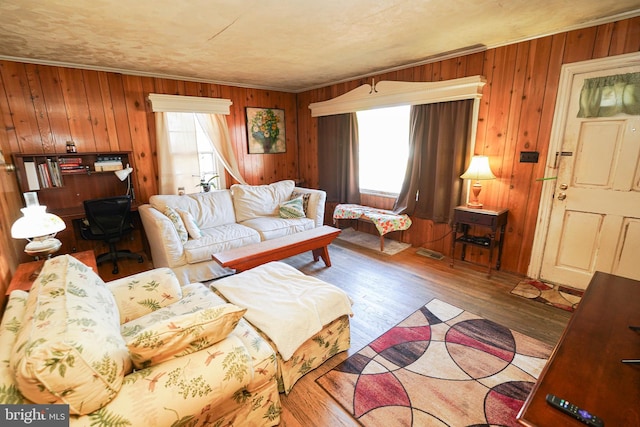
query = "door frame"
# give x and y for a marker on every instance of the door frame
(560, 115)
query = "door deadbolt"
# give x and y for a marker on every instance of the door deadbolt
(562, 196)
(563, 186)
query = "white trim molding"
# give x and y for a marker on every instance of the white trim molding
(189, 104)
(393, 93)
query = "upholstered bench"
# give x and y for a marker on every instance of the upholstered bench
(384, 220)
(304, 319)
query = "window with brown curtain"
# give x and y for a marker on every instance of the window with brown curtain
(438, 137)
(338, 157)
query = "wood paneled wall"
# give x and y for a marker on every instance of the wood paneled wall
(516, 115)
(42, 107)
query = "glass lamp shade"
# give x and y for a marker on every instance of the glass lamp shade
(39, 227)
(477, 171)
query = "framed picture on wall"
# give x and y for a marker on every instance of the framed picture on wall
(265, 130)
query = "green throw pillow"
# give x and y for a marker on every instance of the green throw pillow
(292, 209)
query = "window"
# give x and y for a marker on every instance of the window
(194, 155)
(383, 135)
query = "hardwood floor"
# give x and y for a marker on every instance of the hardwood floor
(386, 289)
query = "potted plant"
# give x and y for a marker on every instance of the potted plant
(206, 185)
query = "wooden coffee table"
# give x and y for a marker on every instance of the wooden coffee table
(316, 240)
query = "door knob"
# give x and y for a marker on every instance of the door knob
(563, 186)
(562, 196)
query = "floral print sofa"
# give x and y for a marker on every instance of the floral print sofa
(142, 350)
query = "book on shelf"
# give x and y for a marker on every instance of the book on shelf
(56, 175)
(107, 165)
(75, 169)
(32, 176)
(70, 161)
(45, 179)
(49, 174)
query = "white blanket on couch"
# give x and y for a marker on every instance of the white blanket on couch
(287, 305)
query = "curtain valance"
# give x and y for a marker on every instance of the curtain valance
(189, 104)
(610, 95)
(393, 93)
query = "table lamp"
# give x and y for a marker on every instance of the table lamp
(39, 228)
(478, 170)
(123, 174)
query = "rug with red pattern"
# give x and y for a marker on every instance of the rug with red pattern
(441, 366)
(554, 295)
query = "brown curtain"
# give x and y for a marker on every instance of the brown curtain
(338, 157)
(438, 138)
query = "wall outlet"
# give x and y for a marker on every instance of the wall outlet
(529, 156)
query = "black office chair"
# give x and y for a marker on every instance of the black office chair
(109, 219)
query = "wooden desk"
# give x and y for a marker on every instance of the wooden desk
(245, 257)
(585, 366)
(77, 212)
(73, 242)
(27, 272)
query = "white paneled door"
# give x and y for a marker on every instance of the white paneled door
(595, 214)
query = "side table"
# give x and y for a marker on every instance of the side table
(492, 218)
(28, 272)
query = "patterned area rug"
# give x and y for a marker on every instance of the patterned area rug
(554, 295)
(441, 366)
(369, 241)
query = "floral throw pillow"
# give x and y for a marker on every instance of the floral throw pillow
(190, 223)
(305, 199)
(145, 292)
(177, 223)
(292, 209)
(181, 335)
(69, 349)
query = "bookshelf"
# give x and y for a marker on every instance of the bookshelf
(44, 171)
(64, 181)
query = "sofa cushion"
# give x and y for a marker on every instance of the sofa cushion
(273, 227)
(174, 216)
(208, 209)
(69, 348)
(182, 334)
(190, 224)
(218, 239)
(142, 293)
(292, 208)
(252, 201)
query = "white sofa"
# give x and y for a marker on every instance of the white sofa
(184, 231)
